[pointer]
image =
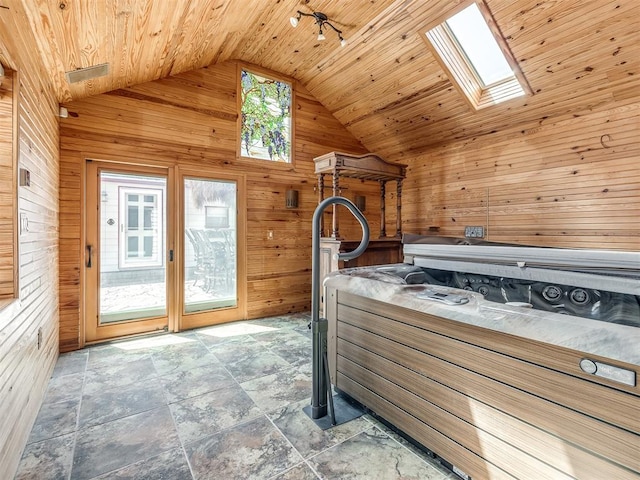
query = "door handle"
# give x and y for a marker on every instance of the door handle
(90, 250)
(171, 255)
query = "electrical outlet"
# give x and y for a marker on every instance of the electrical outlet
(474, 232)
(269, 234)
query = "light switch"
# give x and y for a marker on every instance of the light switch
(24, 223)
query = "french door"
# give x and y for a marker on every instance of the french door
(161, 251)
(212, 226)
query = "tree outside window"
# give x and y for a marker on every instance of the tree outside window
(266, 118)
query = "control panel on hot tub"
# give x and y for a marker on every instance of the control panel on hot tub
(615, 307)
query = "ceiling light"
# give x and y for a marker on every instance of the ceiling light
(322, 21)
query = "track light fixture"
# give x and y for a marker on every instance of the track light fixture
(321, 20)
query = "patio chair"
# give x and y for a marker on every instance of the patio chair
(200, 270)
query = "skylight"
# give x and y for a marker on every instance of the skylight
(478, 43)
(477, 60)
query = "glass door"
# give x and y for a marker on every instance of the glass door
(163, 250)
(211, 240)
(126, 252)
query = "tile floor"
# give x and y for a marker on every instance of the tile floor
(218, 403)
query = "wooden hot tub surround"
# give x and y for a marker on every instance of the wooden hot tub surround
(495, 390)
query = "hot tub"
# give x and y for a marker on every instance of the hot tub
(533, 376)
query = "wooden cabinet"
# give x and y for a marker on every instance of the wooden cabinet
(364, 167)
(382, 250)
(495, 405)
(379, 252)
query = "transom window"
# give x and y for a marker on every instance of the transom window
(266, 118)
(476, 58)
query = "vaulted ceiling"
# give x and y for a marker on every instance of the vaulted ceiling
(385, 85)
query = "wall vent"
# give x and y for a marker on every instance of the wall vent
(82, 74)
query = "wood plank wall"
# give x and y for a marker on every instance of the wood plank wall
(25, 368)
(190, 120)
(566, 182)
(7, 189)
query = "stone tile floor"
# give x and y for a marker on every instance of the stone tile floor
(221, 402)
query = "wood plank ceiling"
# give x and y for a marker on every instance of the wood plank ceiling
(385, 86)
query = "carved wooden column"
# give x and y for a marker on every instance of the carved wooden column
(320, 198)
(336, 191)
(399, 209)
(383, 229)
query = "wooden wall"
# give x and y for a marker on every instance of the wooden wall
(570, 181)
(190, 119)
(25, 366)
(7, 184)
